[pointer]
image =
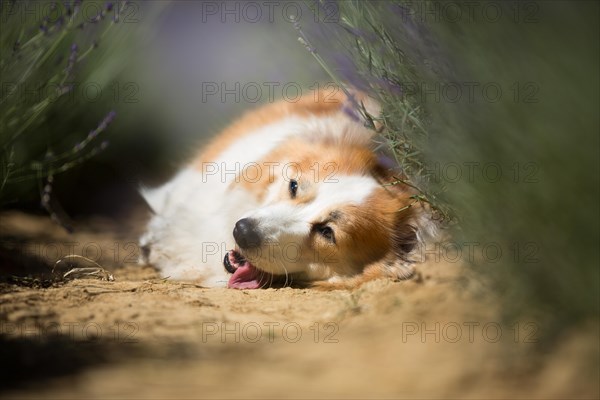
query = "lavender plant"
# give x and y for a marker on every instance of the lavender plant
(540, 211)
(44, 52)
(378, 57)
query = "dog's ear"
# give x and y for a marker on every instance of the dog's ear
(404, 240)
(396, 264)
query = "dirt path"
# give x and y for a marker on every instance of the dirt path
(145, 337)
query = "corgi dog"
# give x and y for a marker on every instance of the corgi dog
(292, 192)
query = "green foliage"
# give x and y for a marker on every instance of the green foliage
(50, 54)
(541, 133)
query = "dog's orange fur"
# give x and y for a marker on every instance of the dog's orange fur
(322, 103)
(370, 226)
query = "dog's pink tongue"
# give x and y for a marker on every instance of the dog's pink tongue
(246, 276)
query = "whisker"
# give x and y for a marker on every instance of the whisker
(262, 275)
(286, 273)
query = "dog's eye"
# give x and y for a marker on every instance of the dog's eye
(326, 232)
(293, 188)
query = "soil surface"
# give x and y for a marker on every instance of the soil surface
(437, 335)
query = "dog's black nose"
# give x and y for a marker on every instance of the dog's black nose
(246, 234)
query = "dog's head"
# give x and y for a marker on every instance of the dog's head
(333, 213)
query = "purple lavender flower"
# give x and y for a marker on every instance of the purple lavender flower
(349, 72)
(72, 59)
(389, 85)
(351, 112)
(107, 120)
(110, 117)
(81, 145)
(60, 22)
(386, 161)
(307, 46)
(302, 38)
(109, 6)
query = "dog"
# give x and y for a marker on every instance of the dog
(292, 192)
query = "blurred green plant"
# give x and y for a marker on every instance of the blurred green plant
(541, 131)
(48, 51)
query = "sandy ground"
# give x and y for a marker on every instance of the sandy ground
(139, 336)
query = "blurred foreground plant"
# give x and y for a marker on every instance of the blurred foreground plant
(545, 228)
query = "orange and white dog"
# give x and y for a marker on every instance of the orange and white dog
(291, 192)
